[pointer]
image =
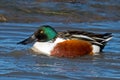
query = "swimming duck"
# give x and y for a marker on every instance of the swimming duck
(69, 44)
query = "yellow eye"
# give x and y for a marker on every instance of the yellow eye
(41, 32)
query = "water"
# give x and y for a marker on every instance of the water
(18, 62)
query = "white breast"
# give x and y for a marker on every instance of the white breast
(45, 47)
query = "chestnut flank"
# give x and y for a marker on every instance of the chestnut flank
(72, 48)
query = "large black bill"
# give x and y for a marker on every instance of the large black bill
(28, 40)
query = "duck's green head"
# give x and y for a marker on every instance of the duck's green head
(43, 34)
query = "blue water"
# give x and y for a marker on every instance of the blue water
(18, 62)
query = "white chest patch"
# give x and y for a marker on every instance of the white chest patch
(45, 47)
(59, 40)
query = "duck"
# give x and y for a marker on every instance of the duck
(68, 44)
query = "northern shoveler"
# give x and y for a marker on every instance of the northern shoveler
(68, 43)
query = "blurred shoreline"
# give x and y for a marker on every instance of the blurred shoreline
(59, 11)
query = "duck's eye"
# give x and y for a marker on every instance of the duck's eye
(41, 32)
